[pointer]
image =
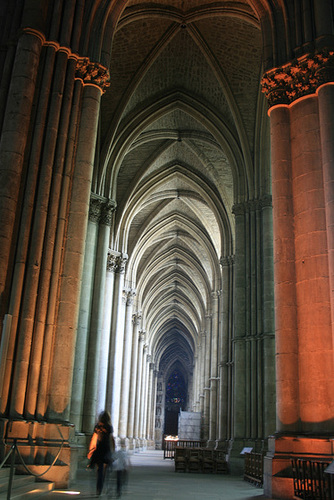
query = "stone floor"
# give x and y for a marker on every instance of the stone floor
(153, 478)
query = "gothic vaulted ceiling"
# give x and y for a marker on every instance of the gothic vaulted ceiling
(181, 132)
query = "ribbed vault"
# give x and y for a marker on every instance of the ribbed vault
(178, 146)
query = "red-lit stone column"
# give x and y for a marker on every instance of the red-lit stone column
(284, 273)
(326, 117)
(315, 348)
(302, 172)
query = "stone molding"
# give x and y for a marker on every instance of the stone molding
(116, 262)
(129, 296)
(141, 336)
(101, 210)
(252, 205)
(95, 206)
(92, 73)
(249, 338)
(136, 317)
(111, 262)
(107, 210)
(298, 78)
(227, 261)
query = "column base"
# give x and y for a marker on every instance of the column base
(277, 473)
(39, 443)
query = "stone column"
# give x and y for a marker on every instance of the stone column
(126, 368)
(106, 327)
(213, 369)
(96, 322)
(268, 336)
(326, 117)
(65, 333)
(143, 403)
(13, 141)
(202, 379)
(80, 362)
(133, 379)
(153, 405)
(239, 320)
(206, 415)
(224, 408)
(52, 305)
(116, 345)
(138, 396)
(304, 348)
(149, 401)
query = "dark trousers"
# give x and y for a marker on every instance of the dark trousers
(101, 472)
(120, 480)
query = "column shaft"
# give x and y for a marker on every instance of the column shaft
(125, 384)
(133, 377)
(65, 334)
(326, 117)
(287, 397)
(81, 347)
(315, 349)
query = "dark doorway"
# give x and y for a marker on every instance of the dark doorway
(176, 395)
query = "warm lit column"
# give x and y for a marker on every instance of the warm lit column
(79, 372)
(126, 367)
(52, 304)
(138, 396)
(95, 330)
(13, 140)
(315, 342)
(65, 334)
(326, 116)
(133, 378)
(287, 395)
(40, 256)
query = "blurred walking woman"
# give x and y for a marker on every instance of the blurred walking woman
(101, 447)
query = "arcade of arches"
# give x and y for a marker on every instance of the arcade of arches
(167, 213)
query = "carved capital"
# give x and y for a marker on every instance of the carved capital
(95, 207)
(107, 210)
(92, 73)
(129, 296)
(111, 262)
(136, 318)
(141, 336)
(298, 78)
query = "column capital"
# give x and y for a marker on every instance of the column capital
(92, 73)
(141, 336)
(107, 210)
(111, 262)
(136, 318)
(95, 207)
(129, 296)
(226, 261)
(299, 77)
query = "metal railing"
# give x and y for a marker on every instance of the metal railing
(11, 454)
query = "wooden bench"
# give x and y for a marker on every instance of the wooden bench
(199, 459)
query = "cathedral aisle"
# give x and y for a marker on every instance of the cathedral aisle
(153, 478)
